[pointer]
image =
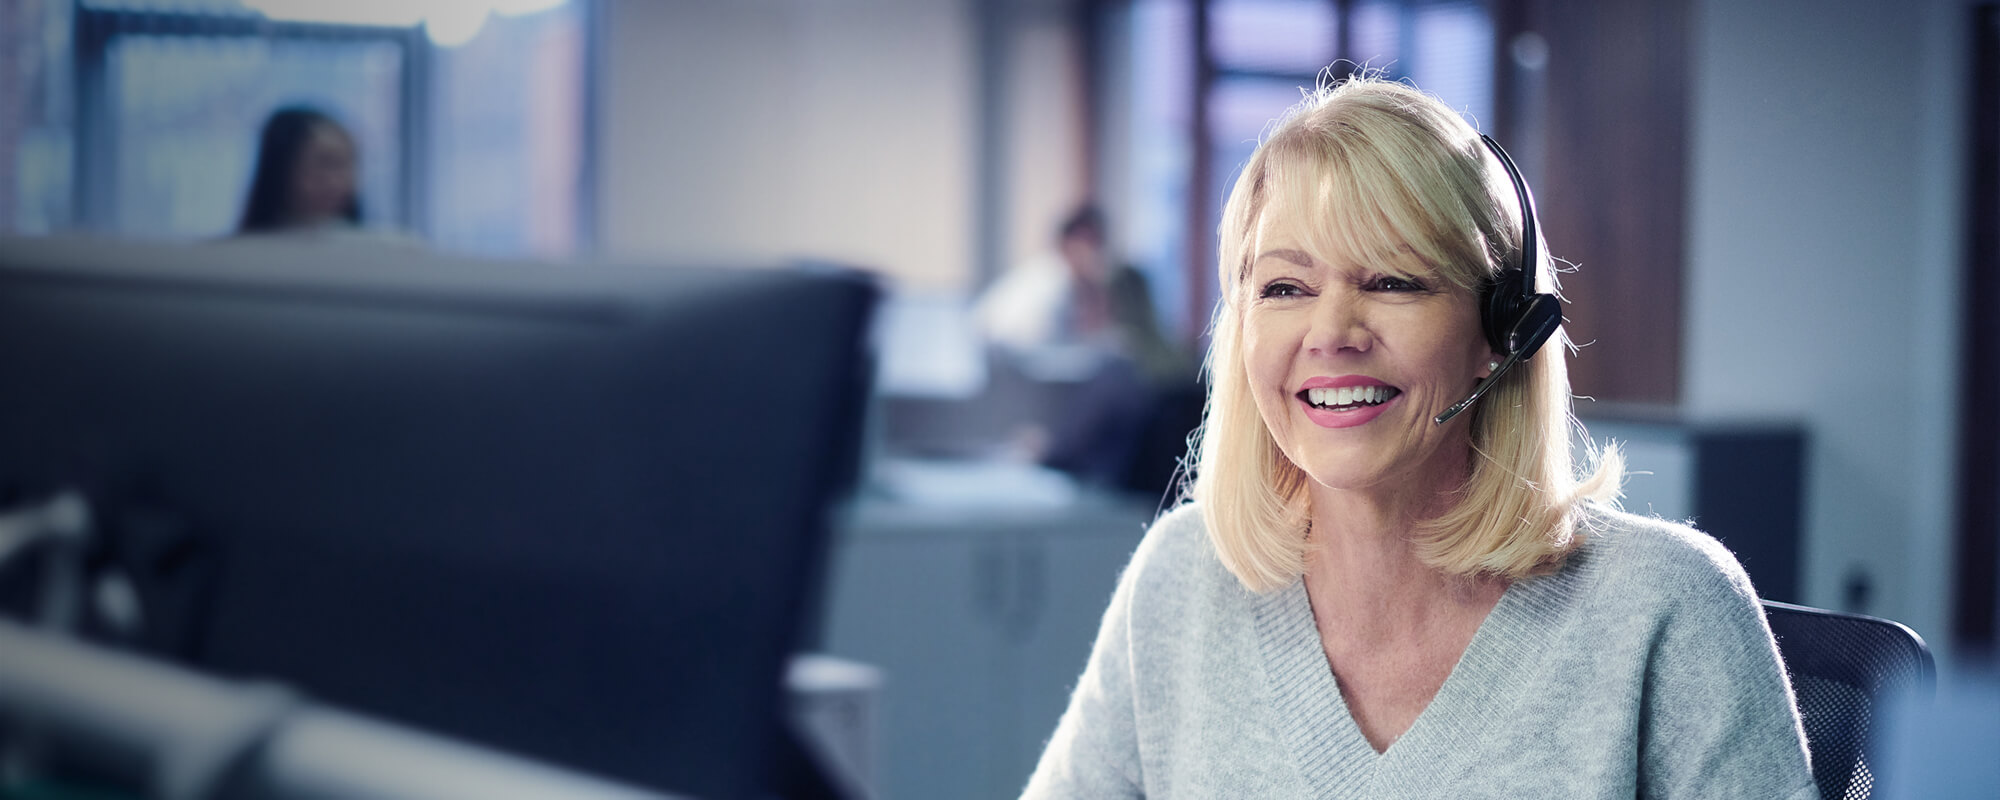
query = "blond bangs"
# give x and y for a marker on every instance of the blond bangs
(1367, 213)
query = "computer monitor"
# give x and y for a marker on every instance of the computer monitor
(573, 511)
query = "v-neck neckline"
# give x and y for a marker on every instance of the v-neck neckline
(1502, 658)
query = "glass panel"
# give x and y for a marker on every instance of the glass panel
(1159, 155)
(36, 106)
(1454, 57)
(1377, 39)
(1239, 111)
(507, 157)
(186, 112)
(1276, 36)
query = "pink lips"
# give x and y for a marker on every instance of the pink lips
(1329, 418)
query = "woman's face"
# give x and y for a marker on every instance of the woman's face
(1349, 362)
(323, 178)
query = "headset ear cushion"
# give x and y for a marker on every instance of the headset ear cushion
(1501, 309)
(1538, 321)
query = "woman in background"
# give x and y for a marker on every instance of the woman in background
(1372, 595)
(305, 176)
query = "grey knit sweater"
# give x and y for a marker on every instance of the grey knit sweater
(1643, 668)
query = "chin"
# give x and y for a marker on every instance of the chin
(1343, 477)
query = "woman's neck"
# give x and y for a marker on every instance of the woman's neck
(1376, 588)
(1363, 560)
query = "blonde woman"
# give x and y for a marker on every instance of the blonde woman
(1379, 591)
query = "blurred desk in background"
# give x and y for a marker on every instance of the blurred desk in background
(977, 588)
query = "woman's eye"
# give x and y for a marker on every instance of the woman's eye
(1391, 283)
(1280, 289)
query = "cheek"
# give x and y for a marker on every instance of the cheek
(1475, 349)
(1452, 346)
(1257, 353)
(1267, 361)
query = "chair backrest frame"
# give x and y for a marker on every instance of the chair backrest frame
(1844, 667)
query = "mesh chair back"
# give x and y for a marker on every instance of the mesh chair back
(1843, 667)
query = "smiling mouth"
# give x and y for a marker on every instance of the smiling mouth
(1348, 398)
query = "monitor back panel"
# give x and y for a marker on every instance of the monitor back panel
(575, 512)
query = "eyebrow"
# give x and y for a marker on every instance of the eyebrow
(1298, 257)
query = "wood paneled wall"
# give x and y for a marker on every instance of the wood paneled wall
(1607, 117)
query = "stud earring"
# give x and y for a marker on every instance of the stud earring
(1492, 365)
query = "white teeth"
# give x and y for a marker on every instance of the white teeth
(1347, 396)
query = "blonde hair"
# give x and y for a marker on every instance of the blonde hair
(1385, 167)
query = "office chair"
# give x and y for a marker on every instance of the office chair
(1844, 667)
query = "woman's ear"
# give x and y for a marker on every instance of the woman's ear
(1492, 363)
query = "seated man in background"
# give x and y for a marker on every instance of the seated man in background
(1076, 318)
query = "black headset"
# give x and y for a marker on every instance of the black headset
(1517, 319)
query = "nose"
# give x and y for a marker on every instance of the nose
(1339, 324)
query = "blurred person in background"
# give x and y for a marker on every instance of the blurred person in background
(1077, 318)
(1079, 296)
(305, 177)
